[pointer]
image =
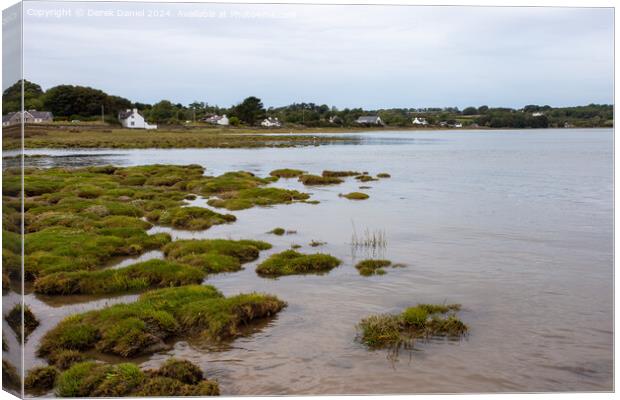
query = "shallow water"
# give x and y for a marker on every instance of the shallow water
(514, 225)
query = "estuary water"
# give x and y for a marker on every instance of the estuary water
(516, 225)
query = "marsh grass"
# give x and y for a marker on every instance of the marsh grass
(339, 174)
(174, 378)
(365, 178)
(10, 376)
(248, 198)
(286, 173)
(355, 196)
(215, 255)
(141, 327)
(375, 239)
(29, 322)
(421, 322)
(290, 262)
(41, 379)
(317, 180)
(372, 267)
(150, 274)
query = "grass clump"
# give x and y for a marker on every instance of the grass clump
(247, 198)
(277, 231)
(290, 262)
(215, 255)
(286, 173)
(146, 275)
(355, 196)
(383, 175)
(14, 319)
(365, 178)
(316, 243)
(418, 322)
(372, 267)
(141, 327)
(190, 218)
(41, 379)
(10, 376)
(339, 174)
(310, 180)
(64, 359)
(63, 249)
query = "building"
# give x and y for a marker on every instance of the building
(218, 120)
(271, 123)
(538, 114)
(369, 120)
(419, 121)
(30, 117)
(132, 119)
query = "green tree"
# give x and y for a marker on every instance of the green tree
(11, 97)
(163, 112)
(250, 110)
(470, 111)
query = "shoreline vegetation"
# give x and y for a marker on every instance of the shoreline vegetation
(85, 117)
(57, 136)
(77, 220)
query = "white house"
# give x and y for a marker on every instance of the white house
(30, 117)
(271, 123)
(218, 120)
(132, 119)
(538, 114)
(369, 120)
(420, 121)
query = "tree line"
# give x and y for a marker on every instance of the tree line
(69, 102)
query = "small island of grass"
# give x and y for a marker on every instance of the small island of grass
(290, 262)
(419, 322)
(355, 196)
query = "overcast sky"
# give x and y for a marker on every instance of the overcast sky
(346, 56)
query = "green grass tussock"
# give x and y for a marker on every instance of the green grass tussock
(248, 198)
(141, 327)
(63, 249)
(365, 178)
(14, 319)
(290, 262)
(418, 322)
(339, 174)
(355, 196)
(372, 267)
(310, 180)
(190, 218)
(215, 255)
(40, 379)
(146, 275)
(286, 173)
(64, 359)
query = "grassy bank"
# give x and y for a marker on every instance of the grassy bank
(77, 220)
(142, 327)
(85, 137)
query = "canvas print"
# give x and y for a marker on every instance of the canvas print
(205, 199)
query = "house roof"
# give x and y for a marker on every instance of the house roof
(41, 114)
(367, 119)
(126, 114)
(7, 117)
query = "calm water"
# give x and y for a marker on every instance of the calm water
(517, 226)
